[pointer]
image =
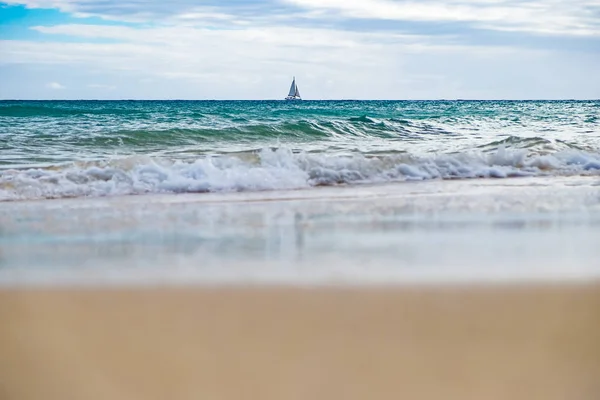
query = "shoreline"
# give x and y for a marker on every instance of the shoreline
(351, 192)
(425, 342)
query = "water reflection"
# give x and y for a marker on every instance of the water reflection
(292, 233)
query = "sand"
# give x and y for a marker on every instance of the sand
(505, 342)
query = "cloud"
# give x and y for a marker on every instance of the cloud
(576, 17)
(337, 49)
(152, 10)
(197, 54)
(258, 62)
(54, 85)
(545, 17)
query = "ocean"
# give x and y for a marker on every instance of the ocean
(298, 192)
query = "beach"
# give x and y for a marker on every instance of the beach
(278, 342)
(442, 289)
(179, 222)
(315, 250)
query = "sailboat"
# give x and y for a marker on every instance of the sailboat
(294, 93)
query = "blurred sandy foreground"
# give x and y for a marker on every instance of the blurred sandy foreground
(494, 342)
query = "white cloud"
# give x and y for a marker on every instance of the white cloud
(204, 54)
(214, 52)
(575, 17)
(259, 62)
(149, 10)
(54, 85)
(549, 17)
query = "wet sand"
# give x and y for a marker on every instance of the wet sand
(504, 342)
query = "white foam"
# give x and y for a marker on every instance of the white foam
(280, 169)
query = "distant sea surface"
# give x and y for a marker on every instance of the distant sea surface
(54, 149)
(309, 191)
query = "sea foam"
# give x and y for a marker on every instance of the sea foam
(281, 168)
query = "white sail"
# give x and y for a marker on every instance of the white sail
(293, 88)
(294, 93)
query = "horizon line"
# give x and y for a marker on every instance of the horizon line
(303, 100)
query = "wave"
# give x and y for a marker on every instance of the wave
(281, 168)
(149, 135)
(362, 118)
(68, 108)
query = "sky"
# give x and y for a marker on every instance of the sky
(336, 49)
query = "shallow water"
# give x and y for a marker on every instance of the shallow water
(526, 229)
(301, 192)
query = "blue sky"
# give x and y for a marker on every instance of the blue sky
(357, 49)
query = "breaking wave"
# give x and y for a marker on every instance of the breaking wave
(281, 168)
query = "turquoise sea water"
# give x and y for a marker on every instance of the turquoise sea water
(53, 149)
(298, 192)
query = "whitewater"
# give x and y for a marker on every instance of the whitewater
(95, 148)
(311, 191)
